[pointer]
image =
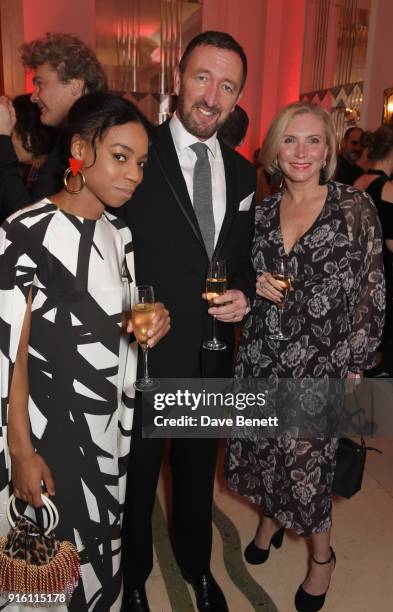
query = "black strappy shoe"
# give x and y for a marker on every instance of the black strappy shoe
(255, 555)
(304, 602)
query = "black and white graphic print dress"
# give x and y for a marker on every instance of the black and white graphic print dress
(334, 317)
(80, 272)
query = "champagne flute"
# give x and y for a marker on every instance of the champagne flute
(216, 284)
(281, 273)
(142, 316)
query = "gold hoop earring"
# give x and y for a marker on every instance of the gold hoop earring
(67, 173)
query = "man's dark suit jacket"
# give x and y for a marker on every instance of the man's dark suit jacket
(171, 256)
(346, 172)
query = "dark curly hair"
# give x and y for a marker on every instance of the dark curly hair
(68, 56)
(36, 138)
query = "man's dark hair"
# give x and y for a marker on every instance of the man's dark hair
(235, 127)
(68, 56)
(222, 40)
(350, 130)
(37, 138)
(93, 114)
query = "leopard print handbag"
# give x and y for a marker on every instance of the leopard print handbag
(35, 568)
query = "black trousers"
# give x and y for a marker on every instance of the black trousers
(193, 463)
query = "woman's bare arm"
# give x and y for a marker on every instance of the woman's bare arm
(389, 244)
(387, 192)
(28, 468)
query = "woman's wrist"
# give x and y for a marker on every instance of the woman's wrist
(20, 450)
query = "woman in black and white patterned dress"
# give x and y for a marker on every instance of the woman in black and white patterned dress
(66, 267)
(330, 235)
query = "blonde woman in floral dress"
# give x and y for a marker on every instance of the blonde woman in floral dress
(330, 235)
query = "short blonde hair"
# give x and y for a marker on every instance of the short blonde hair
(278, 126)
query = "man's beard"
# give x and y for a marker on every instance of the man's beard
(193, 126)
(352, 157)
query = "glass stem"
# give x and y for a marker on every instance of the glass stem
(279, 318)
(214, 330)
(145, 349)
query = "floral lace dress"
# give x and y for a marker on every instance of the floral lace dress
(334, 319)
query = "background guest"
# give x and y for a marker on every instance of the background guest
(265, 185)
(32, 141)
(234, 130)
(347, 170)
(376, 182)
(64, 69)
(364, 161)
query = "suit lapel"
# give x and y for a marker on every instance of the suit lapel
(165, 152)
(231, 199)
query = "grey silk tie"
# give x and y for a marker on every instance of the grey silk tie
(202, 195)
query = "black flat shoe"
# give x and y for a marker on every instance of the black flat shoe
(304, 602)
(255, 555)
(209, 596)
(135, 601)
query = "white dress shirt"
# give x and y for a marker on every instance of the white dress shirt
(187, 158)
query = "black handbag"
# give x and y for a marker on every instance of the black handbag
(350, 461)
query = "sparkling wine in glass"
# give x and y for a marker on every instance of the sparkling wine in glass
(142, 316)
(216, 284)
(281, 273)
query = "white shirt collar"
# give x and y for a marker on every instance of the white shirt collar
(184, 139)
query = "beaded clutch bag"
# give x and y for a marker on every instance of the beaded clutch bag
(35, 568)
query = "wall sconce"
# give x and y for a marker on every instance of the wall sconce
(352, 115)
(388, 106)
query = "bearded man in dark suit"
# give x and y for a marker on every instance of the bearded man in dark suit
(174, 241)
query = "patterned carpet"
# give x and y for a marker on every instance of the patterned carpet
(362, 538)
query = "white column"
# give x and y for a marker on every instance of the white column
(378, 74)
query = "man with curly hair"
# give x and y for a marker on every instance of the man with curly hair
(64, 69)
